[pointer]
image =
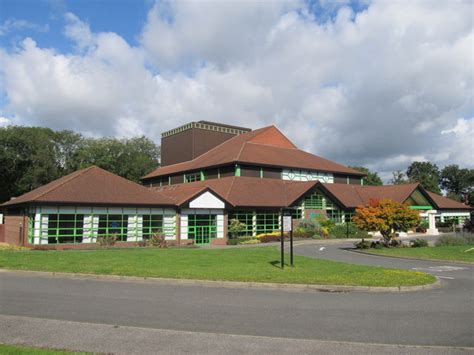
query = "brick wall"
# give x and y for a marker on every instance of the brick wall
(16, 229)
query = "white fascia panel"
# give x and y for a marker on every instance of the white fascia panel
(207, 200)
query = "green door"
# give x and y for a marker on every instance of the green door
(202, 228)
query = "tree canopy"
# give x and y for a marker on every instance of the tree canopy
(386, 216)
(426, 173)
(372, 178)
(457, 182)
(33, 156)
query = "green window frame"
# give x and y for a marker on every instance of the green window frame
(267, 221)
(202, 228)
(113, 224)
(62, 228)
(152, 224)
(314, 201)
(245, 217)
(192, 177)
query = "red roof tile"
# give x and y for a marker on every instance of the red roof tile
(242, 191)
(447, 203)
(265, 146)
(93, 185)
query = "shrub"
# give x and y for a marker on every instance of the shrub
(106, 240)
(418, 243)
(450, 240)
(157, 240)
(236, 227)
(271, 238)
(251, 241)
(363, 244)
(469, 238)
(240, 240)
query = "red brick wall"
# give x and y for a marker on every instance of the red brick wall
(2, 233)
(16, 229)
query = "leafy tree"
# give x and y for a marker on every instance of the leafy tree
(372, 178)
(398, 178)
(130, 158)
(33, 156)
(426, 173)
(386, 216)
(458, 183)
(27, 159)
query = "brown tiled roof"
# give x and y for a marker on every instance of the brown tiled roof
(93, 185)
(242, 191)
(352, 196)
(266, 146)
(447, 203)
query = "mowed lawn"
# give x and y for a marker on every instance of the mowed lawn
(239, 264)
(449, 253)
(20, 350)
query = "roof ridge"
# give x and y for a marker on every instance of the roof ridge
(230, 188)
(78, 173)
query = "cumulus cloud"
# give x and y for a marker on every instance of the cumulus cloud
(380, 87)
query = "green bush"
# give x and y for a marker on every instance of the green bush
(236, 228)
(106, 240)
(240, 240)
(347, 231)
(363, 244)
(450, 240)
(418, 243)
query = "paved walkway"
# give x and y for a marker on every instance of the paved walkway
(133, 340)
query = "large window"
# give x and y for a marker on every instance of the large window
(65, 228)
(85, 224)
(113, 224)
(202, 227)
(267, 221)
(314, 201)
(152, 224)
(245, 217)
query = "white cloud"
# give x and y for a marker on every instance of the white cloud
(11, 25)
(382, 87)
(4, 121)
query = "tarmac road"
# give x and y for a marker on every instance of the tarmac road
(438, 317)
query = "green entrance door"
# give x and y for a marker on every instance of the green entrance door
(202, 228)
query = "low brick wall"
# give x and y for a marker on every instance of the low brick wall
(96, 246)
(2, 233)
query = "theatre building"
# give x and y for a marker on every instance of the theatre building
(210, 174)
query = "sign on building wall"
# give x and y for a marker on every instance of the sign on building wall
(307, 175)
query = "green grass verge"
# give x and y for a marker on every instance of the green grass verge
(449, 253)
(242, 264)
(20, 350)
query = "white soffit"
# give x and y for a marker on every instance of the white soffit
(207, 200)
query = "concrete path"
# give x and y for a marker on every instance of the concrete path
(132, 340)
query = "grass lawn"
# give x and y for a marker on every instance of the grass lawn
(17, 349)
(451, 253)
(240, 264)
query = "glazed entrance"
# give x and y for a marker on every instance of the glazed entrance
(202, 228)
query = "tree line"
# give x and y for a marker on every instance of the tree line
(33, 156)
(456, 182)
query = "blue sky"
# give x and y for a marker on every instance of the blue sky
(375, 83)
(125, 17)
